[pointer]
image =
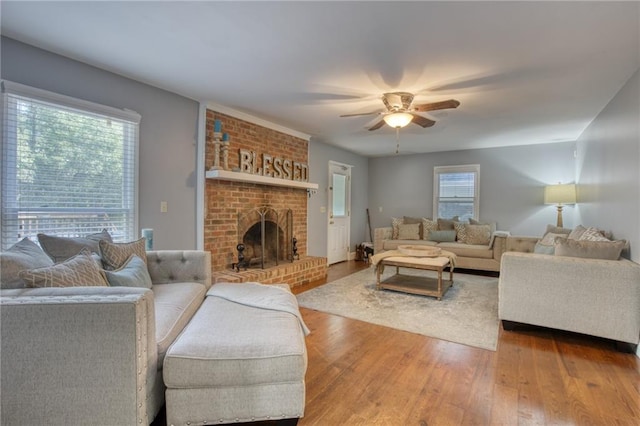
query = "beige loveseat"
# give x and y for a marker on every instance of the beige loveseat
(598, 297)
(484, 257)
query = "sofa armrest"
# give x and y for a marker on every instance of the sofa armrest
(379, 235)
(77, 355)
(522, 244)
(591, 296)
(499, 246)
(169, 266)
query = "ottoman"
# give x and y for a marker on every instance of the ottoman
(241, 358)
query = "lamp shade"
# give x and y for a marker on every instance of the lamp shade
(560, 194)
(398, 119)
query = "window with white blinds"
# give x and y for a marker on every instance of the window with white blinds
(455, 191)
(69, 167)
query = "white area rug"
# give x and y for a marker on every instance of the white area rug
(467, 314)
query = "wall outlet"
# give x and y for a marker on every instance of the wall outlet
(323, 209)
(163, 207)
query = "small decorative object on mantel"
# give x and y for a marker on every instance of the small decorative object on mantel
(220, 144)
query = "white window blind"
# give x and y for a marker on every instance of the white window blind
(69, 167)
(456, 191)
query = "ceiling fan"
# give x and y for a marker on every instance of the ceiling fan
(400, 113)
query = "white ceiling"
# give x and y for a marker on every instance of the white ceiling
(524, 72)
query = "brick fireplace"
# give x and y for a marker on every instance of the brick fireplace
(233, 208)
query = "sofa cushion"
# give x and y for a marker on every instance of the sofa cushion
(468, 250)
(115, 255)
(63, 248)
(549, 238)
(79, 271)
(23, 255)
(608, 250)
(409, 231)
(447, 235)
(175, 304)
(393, 244)
(132, 274)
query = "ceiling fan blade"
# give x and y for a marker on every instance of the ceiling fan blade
(362, 113)
(377, 125)
(422, 121)
(451, 103)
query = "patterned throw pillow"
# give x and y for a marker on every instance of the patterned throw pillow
(408, 220)
(134, 273)
(592, 234)
(395, 223)
(478, 234)
(115, 255)
(461, 231)
(428, 225)
(577, 232)
(23, 255)
(410, 231)
(79, 271)
(63, 248)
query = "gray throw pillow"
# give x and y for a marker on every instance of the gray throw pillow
(609, 250)
(446, 236)
(23, 255)
(544, 249)
(62, 248)
(134, 273)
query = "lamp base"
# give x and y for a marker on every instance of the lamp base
(559, 224)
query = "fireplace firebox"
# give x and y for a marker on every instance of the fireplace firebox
(264, 237)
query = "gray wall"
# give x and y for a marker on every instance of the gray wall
(319, 156)
(167, 133)
(608, 170)
(511, 184)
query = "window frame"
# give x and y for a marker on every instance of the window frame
(466, 168)
(8, 163)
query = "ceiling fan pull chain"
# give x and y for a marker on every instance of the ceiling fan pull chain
(397, 140)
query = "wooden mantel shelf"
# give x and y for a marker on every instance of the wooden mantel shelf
(261, 180)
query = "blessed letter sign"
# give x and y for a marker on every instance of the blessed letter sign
(275, 167)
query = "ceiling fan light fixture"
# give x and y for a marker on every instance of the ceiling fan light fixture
(398, 119)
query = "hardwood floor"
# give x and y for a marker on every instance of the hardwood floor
(364, 374)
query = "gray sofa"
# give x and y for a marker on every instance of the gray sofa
(469, 256)
(592, 296)
(94, 355)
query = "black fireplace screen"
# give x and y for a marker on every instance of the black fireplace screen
(266, 234)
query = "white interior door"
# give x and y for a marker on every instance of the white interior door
(339, 212)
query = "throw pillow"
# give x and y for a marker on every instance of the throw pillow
(133, 273)
(577, 232)
(428, 225)
(478, 234)
(544, 249)
(493, 226)
(23, 255)
(445, 236)
(461, 231)
(115, 255)
(549, 238)
(609, 250)
(79, 271)
(410, 220)
(557, 230)
(395, 222)
(446, 224)
(592, 234)
(409, 231)
(63, 248)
